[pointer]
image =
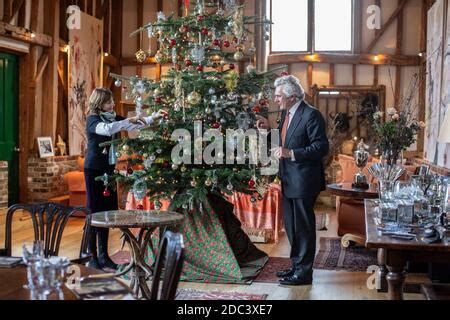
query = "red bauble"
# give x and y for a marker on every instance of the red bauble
(256, 109)
(166, 164)
(173, 42)
(200, 68)
(158, 100)
(226, 43)
(284, 73)
(188, 63)
(130, 171)
(140, 207)
(106, 193)
(205, 30)
(216, 42)
(215, 125)
(251, 183)
(232, 66)
(200, 18)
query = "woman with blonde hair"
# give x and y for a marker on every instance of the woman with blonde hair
(103, 125)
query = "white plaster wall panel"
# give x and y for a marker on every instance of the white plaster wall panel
(300, 70)
(129, 46)
(364, 75)
(412, 26)
(321, 74)
(343, 74)
(384, 78)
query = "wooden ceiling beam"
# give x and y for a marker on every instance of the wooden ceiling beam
(22, 34)
(391, 19)
(131, 61)
(369, 59)
(111, 60)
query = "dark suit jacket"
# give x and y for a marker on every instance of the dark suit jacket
(306, 135)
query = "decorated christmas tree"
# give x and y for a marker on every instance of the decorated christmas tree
(207, 143)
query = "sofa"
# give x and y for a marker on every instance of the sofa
(76, 185)
(350, 212)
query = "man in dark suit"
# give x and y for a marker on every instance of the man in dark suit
(304, 144)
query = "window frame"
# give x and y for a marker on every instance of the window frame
(311, 32)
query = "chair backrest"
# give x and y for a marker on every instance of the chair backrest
(170, 257)
(49, 220)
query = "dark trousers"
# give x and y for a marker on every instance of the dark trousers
(95, 200)
(300, 225)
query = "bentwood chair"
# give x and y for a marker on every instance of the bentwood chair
(49, 220)
(170, 258)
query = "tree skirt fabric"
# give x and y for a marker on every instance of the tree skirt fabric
(216, 249)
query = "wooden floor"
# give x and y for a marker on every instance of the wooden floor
(327, 285)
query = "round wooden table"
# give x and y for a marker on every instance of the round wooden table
(347, 191)
(147, 222)
(12, 281)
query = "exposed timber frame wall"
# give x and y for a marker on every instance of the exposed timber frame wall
(42, 40)
(388, 56)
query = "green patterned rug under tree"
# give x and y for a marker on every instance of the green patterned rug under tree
(216, 249)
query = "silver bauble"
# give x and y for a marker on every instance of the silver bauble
(238, 55)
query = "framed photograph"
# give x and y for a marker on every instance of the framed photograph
(45, 145)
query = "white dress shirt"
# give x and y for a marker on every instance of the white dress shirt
(109, 129)
(292, 112)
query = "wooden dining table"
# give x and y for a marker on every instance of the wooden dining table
(12, 281)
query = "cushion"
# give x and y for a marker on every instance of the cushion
(80, 164)
(75, 181)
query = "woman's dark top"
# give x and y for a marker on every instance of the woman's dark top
(95, 158)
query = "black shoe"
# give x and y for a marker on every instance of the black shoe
(286, 273)
(296, 280)
(106, 262)
(103, 257)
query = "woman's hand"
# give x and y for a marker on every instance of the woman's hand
(138, 120)
(159, 114)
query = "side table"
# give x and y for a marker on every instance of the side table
(147, 222)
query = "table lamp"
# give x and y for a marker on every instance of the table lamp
(444, 134)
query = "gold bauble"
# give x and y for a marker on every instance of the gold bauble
(183, 169)
(194, 98)
(141, 56)
(159, 57)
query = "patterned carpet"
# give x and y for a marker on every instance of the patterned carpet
(332, 256)
(189, 294)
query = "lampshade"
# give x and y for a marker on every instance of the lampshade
(444, 134)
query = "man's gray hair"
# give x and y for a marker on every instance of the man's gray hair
(290, 87)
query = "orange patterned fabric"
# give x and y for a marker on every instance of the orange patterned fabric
(262, 219)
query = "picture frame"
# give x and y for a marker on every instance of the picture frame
(45, 146)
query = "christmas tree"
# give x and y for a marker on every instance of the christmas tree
(206, 143)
